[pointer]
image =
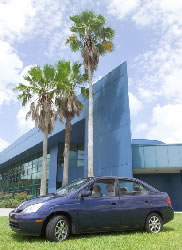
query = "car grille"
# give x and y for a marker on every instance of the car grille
(14, 224)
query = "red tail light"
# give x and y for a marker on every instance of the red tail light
(169, 201)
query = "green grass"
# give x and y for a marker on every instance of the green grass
(171, 238)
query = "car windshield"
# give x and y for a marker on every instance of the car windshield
(73, 186)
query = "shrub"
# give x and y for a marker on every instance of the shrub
(8, 201)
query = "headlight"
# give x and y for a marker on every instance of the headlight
(32, 208)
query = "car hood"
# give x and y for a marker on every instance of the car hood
(34, 201)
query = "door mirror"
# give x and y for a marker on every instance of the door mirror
(85, 193)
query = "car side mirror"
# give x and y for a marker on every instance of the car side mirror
(85, 193)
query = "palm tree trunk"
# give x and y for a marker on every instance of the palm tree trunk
(66, 151)
(44, 165)
(90, 125)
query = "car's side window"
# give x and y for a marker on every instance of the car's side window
(131, 188)
(103, 188)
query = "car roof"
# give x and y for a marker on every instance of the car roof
(114, 177)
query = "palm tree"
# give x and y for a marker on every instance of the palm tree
(67, 102)
(93, 39)
(41, 86)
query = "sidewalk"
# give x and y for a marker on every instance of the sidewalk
(5, 211)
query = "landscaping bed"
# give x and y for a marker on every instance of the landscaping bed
(171, 238)
(13, 200)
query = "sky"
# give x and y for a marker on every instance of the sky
(148, 37)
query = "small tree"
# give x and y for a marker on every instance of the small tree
(93, 39)
(41, 86)
(67, 102)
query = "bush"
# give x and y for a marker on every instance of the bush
(8, 201)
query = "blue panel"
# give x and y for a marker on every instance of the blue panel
(157, 156)
(138, 156)
(73, 173)
(145, 141)
(150, 157)
(53, 169)
(162, 157)
(174, 156)
(112, 139)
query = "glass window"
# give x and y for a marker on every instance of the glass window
(131, 188)
(103, 188)
(73, 186)
(23, 176)
(76, 156)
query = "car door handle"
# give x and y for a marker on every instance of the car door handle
(113, 203)
(146, 201)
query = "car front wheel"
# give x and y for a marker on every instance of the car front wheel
(154, 223)
(58, 228)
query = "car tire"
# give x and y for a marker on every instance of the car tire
(154, 223)
(58, 228)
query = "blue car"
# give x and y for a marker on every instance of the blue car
(95, 204)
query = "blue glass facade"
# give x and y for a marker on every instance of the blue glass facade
(112, 137)
(23, 176)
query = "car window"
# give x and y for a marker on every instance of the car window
(73, 186)
(103, 188)
(131, 188)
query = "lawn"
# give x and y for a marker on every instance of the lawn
(171, 238)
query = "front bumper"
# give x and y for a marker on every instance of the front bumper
(25, 224)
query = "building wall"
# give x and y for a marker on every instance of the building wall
(170, 183)
(112, 138)
(157, 156)
(161, 166)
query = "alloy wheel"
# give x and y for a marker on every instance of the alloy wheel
(154, 224)
(61, 230)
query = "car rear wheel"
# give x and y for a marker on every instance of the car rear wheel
(154, 223)
(58, 228)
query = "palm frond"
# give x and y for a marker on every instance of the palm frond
(91, 37)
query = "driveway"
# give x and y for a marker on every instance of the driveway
(5, 211)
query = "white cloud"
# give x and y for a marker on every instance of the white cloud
(10, 67)
(15, 17)
(122, 8)
(166, 123)
(172, 85)
(153, 12)
(30, 17)
(135, 104)
(158, 71)
(146, 95)
(57, 44)
(141, 127)
(3, 144)
(24, 125)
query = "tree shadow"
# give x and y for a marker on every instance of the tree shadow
(168, 229)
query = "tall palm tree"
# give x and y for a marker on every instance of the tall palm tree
(93, 39)
(67, 102)
(40, 86)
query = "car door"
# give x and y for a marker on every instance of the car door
(134, 204)
(100, 211)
